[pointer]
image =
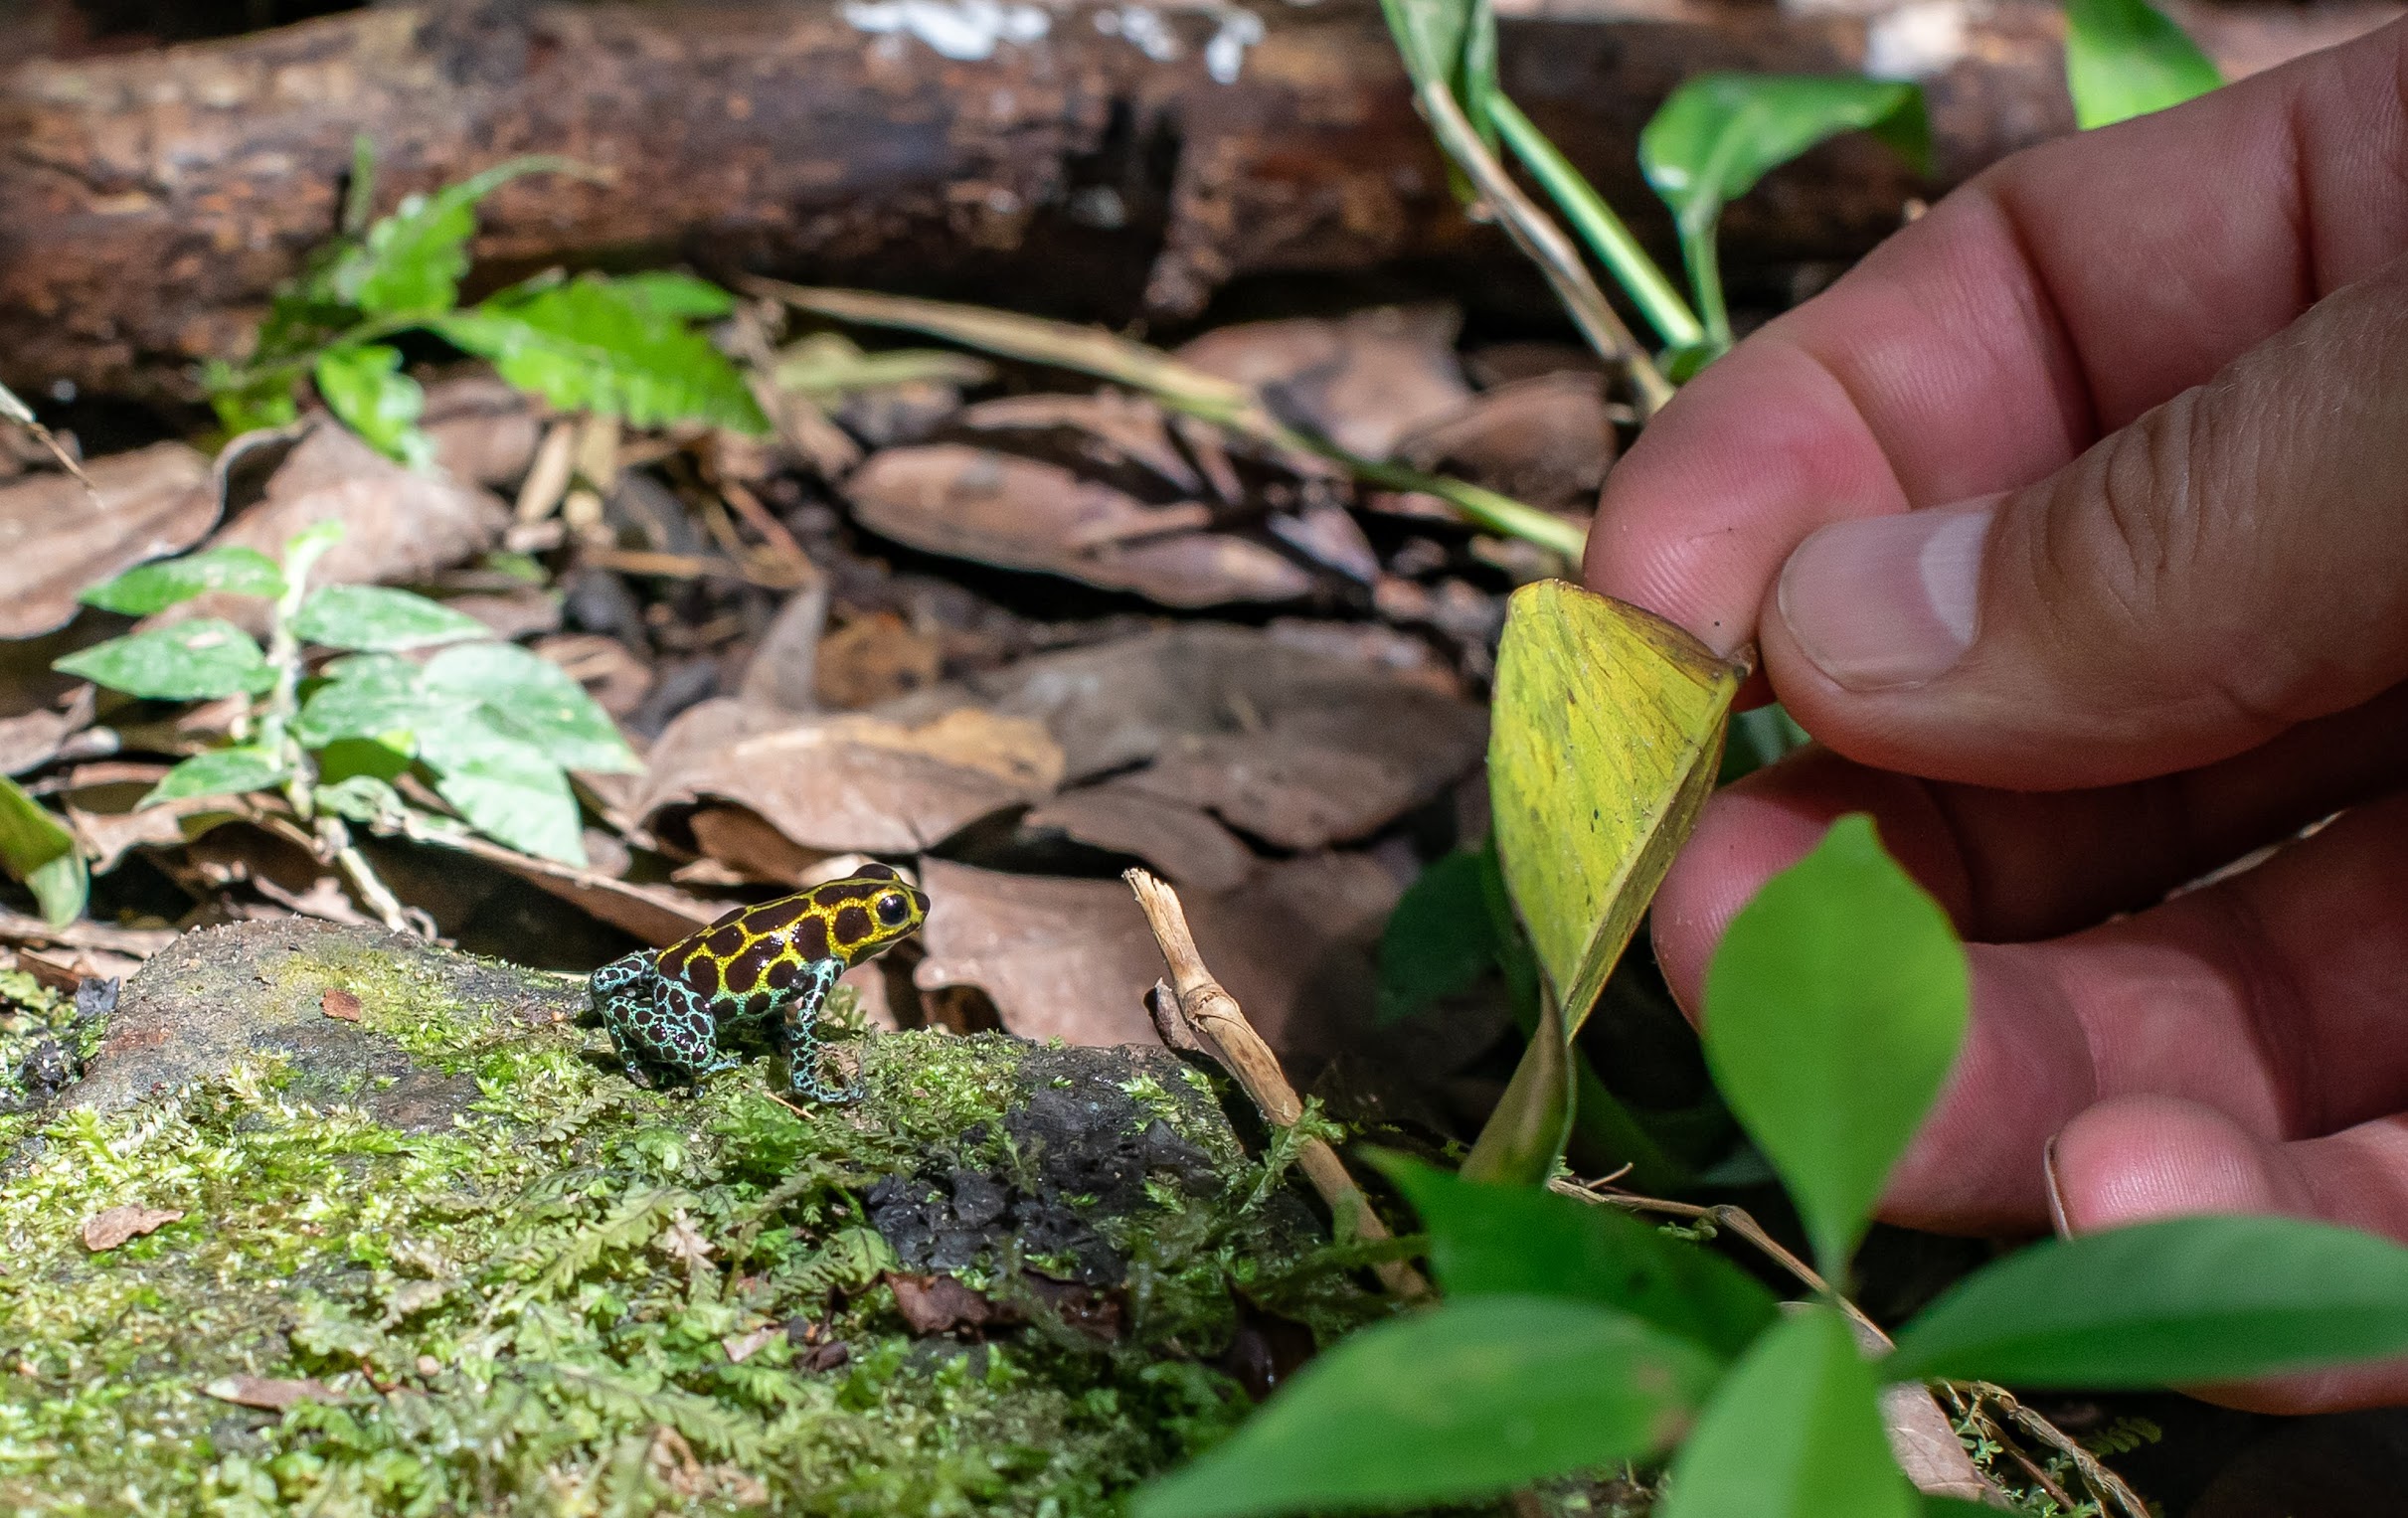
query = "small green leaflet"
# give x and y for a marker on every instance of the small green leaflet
(1440, 938)
(150, 588)
(532, 699)
(1719, 134)
(1468, 1400)
(590, 344)
(674, 294)
(219, 773)
(378, 618)
(410, 261)
(2125, 58)
(1793, 1432)
(364, 384)
(1524, 1240)
(370, 697)
(37, 848)
(198, 660)
(1835, 1006)
(505, 787)
(2186, 1299)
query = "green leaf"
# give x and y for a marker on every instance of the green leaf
(364, 384)
(379, 618)
(1607, 730)
(198, 660)
(360, 798)
(38, 849)
(371, 697)
(2124, 59)
(505, 787)
(412, 261)
(219, 773)
(593, 345)
(1764, 736)
(150, 588)
(675, 294)
(1467, 1399)
(249, 403)
(2185, 1299)
(1793, 1432)
(1521, 1240)
(534, 700)
(1719, 134)
(1440, 940)
(1833, 1009)
(1533, 1120)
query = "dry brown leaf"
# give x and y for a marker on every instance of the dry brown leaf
(528, 611)
(744, 1346)
(484, 430)
(1073, 958)
(1546, 440)
(853, 780)
(271, 1394)
(1024, 514)
(137, 944)
(1113, 426)
(875, 658)
(1363, 381)
(1339, 745)
(933, 1304)
(1329, 535)
(57, 539)
(740, 837)
(398, 525)
(105, 1231)
(1184, 845)
(658, 915)
(32, 740)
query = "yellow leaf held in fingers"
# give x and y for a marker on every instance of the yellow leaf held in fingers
(1607, 735)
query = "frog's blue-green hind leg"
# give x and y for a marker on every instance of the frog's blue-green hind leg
(657, 1026)
(798, 1031)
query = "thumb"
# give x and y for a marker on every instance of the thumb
(2230, 564)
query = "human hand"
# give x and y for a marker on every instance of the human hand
(2073, 522)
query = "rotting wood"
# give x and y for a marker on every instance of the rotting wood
(153, 200)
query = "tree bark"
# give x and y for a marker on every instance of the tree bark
(1104, 161)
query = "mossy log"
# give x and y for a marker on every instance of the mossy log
(407, 1240)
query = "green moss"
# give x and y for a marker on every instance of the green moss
(534, 1310)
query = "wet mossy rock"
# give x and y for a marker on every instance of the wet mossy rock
(415, 1246)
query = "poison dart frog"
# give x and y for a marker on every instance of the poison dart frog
(762, 970)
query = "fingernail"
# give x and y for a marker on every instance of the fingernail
(1887, 601)
(2056, 1196)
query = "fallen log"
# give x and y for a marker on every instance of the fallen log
(1096, 160)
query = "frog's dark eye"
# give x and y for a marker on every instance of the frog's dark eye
(893, 909)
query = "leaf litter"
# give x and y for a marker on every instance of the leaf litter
(989, 664)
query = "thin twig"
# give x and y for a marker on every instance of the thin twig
(14, 409)
(1536, 234)
(2109, 1486)
(1209, 1006)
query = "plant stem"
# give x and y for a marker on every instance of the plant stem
(1642, 278)
(277, 716)
(367, 331)
(1536, 234)
(1700, 249)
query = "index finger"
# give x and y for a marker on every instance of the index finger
(2050, 301)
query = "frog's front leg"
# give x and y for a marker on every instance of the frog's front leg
(799, 1033)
